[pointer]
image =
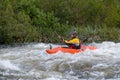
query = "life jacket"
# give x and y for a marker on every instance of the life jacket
(75, 43)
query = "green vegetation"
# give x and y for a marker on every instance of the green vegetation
(41, 20)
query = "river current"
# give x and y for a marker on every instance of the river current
(31, 62)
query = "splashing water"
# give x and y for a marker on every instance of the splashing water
(31, 62)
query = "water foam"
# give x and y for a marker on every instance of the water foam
(35, 63)
(6, 64)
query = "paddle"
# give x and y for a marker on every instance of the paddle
(50, 46)
(86, 39)
(59, 36)
(82, 40)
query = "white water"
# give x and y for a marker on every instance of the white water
(31, 62)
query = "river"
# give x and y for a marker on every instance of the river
(31, 62)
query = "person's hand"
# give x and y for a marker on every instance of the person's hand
(59, 36)
(63, 40)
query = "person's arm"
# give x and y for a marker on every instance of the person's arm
(73, 41)
(69, 41)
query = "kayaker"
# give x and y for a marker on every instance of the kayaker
(74, 43)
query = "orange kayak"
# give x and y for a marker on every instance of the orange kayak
(68, 50)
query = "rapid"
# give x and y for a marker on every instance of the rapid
(31, 62)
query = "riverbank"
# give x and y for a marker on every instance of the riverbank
(87, 34)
